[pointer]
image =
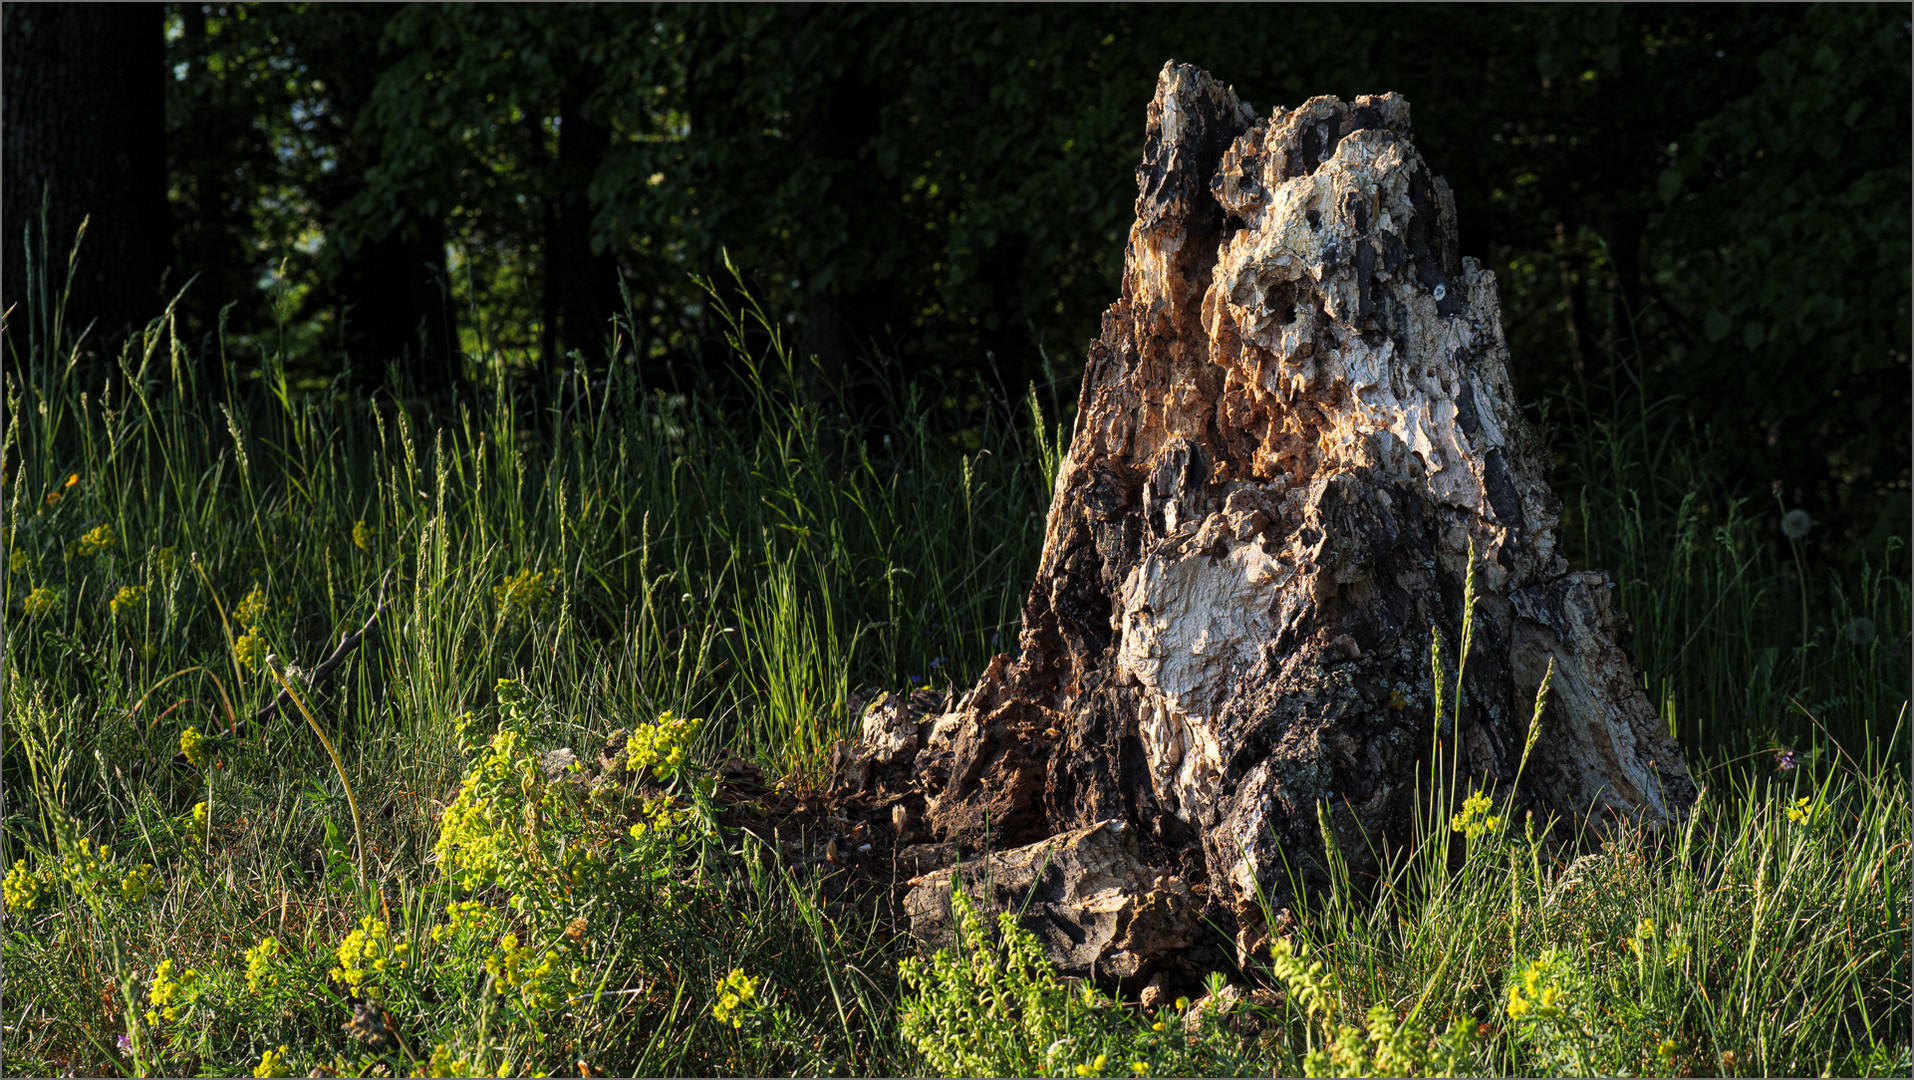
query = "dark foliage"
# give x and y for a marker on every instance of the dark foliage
(1711, 198)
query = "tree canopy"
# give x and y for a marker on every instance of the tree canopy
(1706, 201)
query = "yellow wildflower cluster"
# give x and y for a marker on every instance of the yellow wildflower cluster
(251, 649)
(662, 812)
(23, 889)
(1541, 994)
(272, 1063)
(252, 609)
(167, 997)
(262, 969)
(38, 602)
(1475, 820)
(165, 560)
(468, 919)
(86, 866)
(445, 1062)
(663, 746)
(366, 955)
(541, 986)
(193, 745)
(138, 884)
(737, 998)
(525, 592)
(361, 536)
(1093, 1067)
(197, 825)
(128, 598)
(18, 561)
(1804, 810)
(478, 834)
(96, 540)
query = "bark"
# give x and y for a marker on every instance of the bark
(1296, 426)
(85, 129)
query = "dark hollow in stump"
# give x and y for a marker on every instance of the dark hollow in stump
(1296, 425)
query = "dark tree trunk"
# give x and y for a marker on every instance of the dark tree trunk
(844, 320)
(210, 242)
(392, 287)
(581, 286)
(1297, 451)
(396, 298)
(85, 127)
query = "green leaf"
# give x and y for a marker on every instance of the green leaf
(1669, 185)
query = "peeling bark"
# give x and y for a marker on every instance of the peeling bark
(1294, 428)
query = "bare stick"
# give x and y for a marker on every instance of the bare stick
(347, 645)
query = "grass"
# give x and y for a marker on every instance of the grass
(751, 562)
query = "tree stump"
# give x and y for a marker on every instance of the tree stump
(1294, 430)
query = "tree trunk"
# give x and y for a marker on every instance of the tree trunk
(1294, 431)
(401, 326)
(581, 287)
(84, 97)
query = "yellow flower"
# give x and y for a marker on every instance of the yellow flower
(138, 884)
(1475, 819)
(737, 997)
(18, 561)
(260, 975)
(525, 592)
(663, 747)
(462, 916)
(193, 745)
(38, 602)
(23, 888)
(444, 1062)
(1804, 811)
(96, 540)
(165, 990)
(164, 560)
(252, 609)
(361, 536)
(251, 649)
(1140, 1068)
(364, 957)
(127, 599)
(1539, 993)
(272, 1063)
(200, 822)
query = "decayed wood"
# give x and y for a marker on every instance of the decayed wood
(1295, 427)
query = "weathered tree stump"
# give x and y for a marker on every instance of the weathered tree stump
(1296, 426)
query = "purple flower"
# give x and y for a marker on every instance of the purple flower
(126, 1044)
(1784, 760)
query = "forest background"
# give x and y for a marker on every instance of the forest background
(1708, 203)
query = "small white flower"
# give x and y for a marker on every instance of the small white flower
(1795, 523)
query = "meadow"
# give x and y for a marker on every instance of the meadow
(402, 871)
